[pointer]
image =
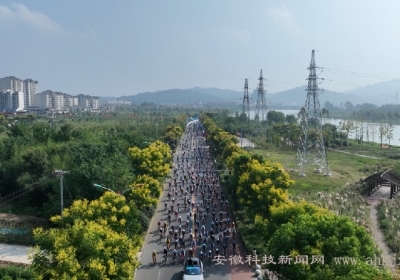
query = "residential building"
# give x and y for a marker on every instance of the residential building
(30, 89)
(12, 100)
(11, 83)
(44, 100)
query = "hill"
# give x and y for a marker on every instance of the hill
(297, 97)
(382, 92)
(192, 96)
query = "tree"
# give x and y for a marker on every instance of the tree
(324, 235)
(261, 186)
(275, 117)
(85, 250)
(153, 161)
(291, 119)
(349, 106)
(382, 132)
(110, 209)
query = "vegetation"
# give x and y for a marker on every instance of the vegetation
(389, 222)
(274, 224)
(100, 233)
(16, 273)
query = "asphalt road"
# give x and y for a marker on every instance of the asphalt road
(160, 270)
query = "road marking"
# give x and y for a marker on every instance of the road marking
(159, 273)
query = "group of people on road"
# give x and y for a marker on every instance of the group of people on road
(197, 220)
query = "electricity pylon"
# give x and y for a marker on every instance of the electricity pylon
(261, 105)
(311, 148)
(245, 112)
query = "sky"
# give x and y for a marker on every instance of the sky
(124, 47)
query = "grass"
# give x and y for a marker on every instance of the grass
(345, 168)
(338, 193)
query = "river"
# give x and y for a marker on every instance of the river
(396, 128)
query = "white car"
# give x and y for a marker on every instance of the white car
(193, 269)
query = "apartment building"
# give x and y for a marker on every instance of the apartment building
(30, 89)
(13, 100)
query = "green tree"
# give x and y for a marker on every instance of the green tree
(326, 235)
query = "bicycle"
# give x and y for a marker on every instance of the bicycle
(165, 258)
(174, 259)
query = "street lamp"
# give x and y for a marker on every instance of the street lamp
(128, 189)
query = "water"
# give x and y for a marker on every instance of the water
(396, 128)
(13, 231)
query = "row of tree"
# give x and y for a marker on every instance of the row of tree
(99, 239)
(99, 233)
(302, 240)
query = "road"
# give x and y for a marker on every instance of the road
(14, 253)
(160, 271)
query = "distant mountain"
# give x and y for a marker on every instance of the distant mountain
(382, 92)
(379, 94)
(192, 96)
(297, 97)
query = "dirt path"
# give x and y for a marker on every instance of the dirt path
(373, 201)
(339, 151)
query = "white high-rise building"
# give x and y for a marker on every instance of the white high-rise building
(30, 90)
(11, 83)
(12, 100)
(44, 100)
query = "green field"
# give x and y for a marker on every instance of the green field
(345, 168)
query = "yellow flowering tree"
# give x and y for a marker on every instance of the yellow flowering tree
(153, 161)
(84, 250)
(145, 191)
(261, 186)
(110, 210)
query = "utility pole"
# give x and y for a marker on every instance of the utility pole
(61, 173)
(311, 147)
(156, 131)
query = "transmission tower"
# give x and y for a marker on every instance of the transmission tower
(245, 111)
(261, 105)
(311, 149)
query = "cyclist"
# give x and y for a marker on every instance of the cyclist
(209, 254)
(216, 251)
(224, 246)
(204, 247)
(168, 243)
(166, 205)
(201, 255)
(154, 255)
(159, 225)
(190, 252)
(165, 254)
(234, 246)
(182, 254)
(174, 252)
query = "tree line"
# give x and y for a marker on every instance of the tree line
(100, 231)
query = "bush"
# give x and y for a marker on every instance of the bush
(144, 220)
(16, 272)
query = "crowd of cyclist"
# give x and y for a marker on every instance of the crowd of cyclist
(197, 222)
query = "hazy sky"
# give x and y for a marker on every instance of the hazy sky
(124, 47)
